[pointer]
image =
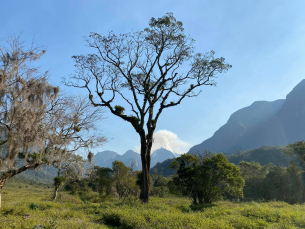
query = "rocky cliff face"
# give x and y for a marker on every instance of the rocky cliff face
(261, 124)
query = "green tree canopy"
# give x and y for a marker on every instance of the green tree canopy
(205, 178)
(253, 174)
(297, 151)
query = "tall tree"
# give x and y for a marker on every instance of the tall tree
(37, 127)
(142, 68)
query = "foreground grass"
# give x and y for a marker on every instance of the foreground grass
(28, 207)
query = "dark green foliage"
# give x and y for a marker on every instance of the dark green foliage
(134, 121)
(77, 129)
(272, 182)
(161, 191)
(119, 109)
(297, 152)
(163, 168)
(201, 207)
(253, 174)
(263, 155)
(160, 186)
(59, 180)
(102, 179)
(204, 179)
(34, 206)
(139, 180)
(58, 183)
(284, 184)
(82, 185)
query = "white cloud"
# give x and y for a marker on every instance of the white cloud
(169, 141)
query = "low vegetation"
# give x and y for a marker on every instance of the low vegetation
(21, 210)
(274, 197)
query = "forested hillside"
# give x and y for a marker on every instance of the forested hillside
(263, 155)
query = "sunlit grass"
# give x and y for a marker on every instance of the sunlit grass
(67, 212)
(27, 207)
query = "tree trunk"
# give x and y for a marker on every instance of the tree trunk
(55, 193)
(3, 180)
(56, 186)
(0, 196)
(195, 200)
(145, 157)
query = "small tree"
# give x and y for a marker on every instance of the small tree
(124, 181)
(103, 177)
(143, 69)
(69, 166)
(205, 179)
(58, 182)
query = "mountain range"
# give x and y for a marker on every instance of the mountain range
(276, 123)
(131, 158)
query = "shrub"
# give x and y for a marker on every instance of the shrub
(34, 206)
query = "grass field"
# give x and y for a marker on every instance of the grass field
(28, 206)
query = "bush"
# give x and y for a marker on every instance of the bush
(34, 206)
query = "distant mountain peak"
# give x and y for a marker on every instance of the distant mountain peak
(161, 155)
(105, 159)
(298, 91)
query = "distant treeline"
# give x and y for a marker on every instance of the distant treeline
(205, 178)
(263, 155)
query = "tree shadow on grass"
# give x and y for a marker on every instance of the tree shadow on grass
(111, 220)
(195, 207)
(201, 207)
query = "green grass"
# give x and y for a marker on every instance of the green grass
(26, 207)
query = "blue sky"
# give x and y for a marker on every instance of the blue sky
(263, 40)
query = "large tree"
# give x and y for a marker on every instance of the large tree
(142, 68)
(206, 178)
(37, 125)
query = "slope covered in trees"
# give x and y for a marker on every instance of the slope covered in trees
(263, 155)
